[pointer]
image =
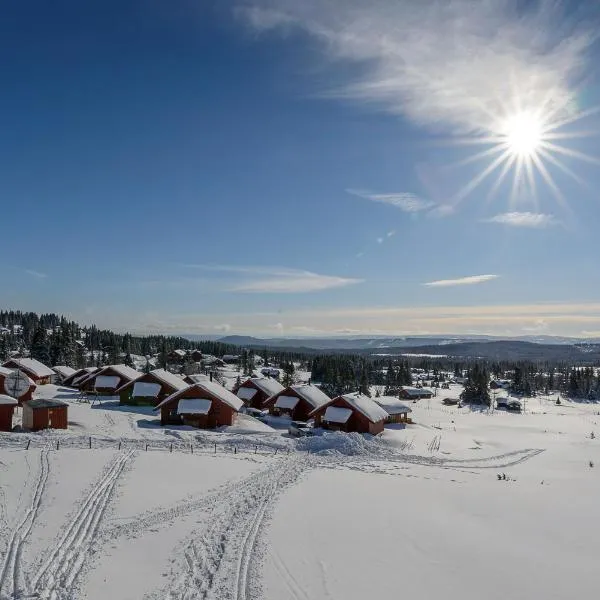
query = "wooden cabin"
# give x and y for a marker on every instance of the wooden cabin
(196, 355)
(107, 380)
(196, 378)
(296, 402)
(151, 388)
(16, 384)
(76, 378)
(413, 393)
(397, 411)
(45, 414)
(7, 408)
(351, 412)
(39, 373)
(204, 405)
(62, 372)
(257, 390)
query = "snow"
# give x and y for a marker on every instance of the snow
(392, 406)
(334, 414)
(169, 379)
(269, 386)
(286, 402)
(366, 406)
(7, 400)
(64, 371)
(33, 366)
(110, 382)
(312, 394)
(143, 389)
(211, 388)
(319, 522)
(246, 393)
(193, 406)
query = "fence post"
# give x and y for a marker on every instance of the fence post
(28, 444)
(235, 449)
(146, 447)
(171, 448)
(90, 442)
(191, 448)
(57, 444)
(119, 445)
(275, 451)
(215, 447)
(255, 449)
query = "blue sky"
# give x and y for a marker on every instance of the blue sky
(281, 168)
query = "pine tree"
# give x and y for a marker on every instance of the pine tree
(128, 360)
(364, 383)
(40, 347)
(288, 374)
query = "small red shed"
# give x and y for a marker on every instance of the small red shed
(257, 390)
(296, 401)
(205, 405)
(45, 414)
(7, 408)
(351, 412)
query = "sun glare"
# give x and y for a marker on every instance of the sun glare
(524, 135)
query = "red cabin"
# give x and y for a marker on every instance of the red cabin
(7, 408)
(296, 402)
(257, 390)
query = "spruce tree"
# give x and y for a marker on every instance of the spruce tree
(40, 347)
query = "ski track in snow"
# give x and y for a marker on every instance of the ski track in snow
(56, 578)
(222, 563)
(12, 582)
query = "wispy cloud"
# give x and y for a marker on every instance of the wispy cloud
(405, 201)
(471, 280)
(451, 64)
(36, 274)
(524, 219)
(276, 280)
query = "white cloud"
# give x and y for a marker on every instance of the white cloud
(405, 201)
(276, 280)
(471, 280)
(380, 240)
(391, 233)
(36, 274)
(524, 219)
(225, 327)
(450, 64)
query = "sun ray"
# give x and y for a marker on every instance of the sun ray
(478, 156)
(550, 181)
(570, 152)
(559, 165)
(476, 181)
(531, 181)
(574, 118)
(501, 177)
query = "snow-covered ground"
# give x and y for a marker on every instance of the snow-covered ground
(249, 513)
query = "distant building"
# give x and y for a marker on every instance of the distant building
(296, 401)
(76, 378)
(108, 380)
(62, 372)
(38, 372)
(351, 412)
(396, 410)
(203, 405)
(413, 393)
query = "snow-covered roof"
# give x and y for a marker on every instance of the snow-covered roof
(169, 379)
(193, 406)
(110, 382)
(413, 391)
(287, 402)
(246, 393)
(312, 394)
(122, 370)
(5, 371)
(392, 405)
(366, 406)
(196, 377)
(33, 366)
(208, 387)
(181, 353)
(7, 400)
(145, 389)
(335, 414)
(267, 385)
(64, 371)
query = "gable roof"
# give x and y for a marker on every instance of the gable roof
(392, 405)
(312, 394)
(33, 366)
(121, 370)
(161, 375)
(413, 391)
(363, 404)
(266, 384)
(64, 371)
(207, 387)
(45, 403)
(8, 400)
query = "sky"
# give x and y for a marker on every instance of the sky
(284, 168)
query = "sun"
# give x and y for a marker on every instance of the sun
(523, 134)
